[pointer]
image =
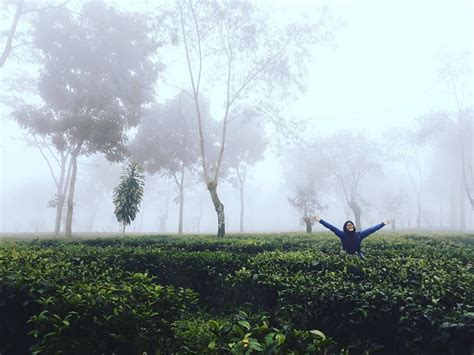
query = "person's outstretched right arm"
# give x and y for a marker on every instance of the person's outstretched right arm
(329, 226)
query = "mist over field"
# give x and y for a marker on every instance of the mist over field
(243, 116)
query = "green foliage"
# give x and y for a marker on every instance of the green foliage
(246, 333)
(249, 334)
(84, 307)
(128, 194)
(412, 294)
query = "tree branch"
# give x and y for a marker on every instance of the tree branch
(47, 161)
(224, 125)
(51, 152)
(45, 8)
(11, 33)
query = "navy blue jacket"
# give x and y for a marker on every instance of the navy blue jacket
(351, 241)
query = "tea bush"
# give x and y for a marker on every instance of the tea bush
(283, 293)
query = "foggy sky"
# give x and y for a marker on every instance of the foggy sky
(381, 71)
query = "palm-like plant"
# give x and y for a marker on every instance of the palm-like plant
(128, 194)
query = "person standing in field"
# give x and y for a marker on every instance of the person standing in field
(350, 238)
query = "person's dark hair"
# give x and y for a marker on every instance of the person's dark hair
(345, 227)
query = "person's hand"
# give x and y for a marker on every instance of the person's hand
(387, 221)
(317, 218)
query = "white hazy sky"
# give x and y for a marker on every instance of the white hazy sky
(383, 68)
(381, 71)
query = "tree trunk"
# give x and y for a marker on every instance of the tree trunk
(164, 216)
(180, 185)
(241, 208)
(418, 214)
(453, 208)
(357, 212)
(59, 214)
(94, 212)
(70, 201)
(394, 223)
(309, 226)
(60, 196)
(462, 205)
(123, 229)
(219, 207)
(142, 215)
(181, 208)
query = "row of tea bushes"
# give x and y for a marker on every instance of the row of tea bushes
(73, 298)
(408, 296)
(52, 303)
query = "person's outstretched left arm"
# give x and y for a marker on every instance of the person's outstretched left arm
(366, 232)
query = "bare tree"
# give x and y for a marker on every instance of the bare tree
(166, 143)
(408, 147)
(51, 141)
(233, 46)
(394, 201)
(452, 71)
(440, 132)
(306, 200)
(350, 156)
(306, 180)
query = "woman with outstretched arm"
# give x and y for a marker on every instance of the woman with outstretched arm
(350, 238)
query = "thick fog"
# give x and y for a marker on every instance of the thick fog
(349, 110)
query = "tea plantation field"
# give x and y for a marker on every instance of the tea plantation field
(245, 294)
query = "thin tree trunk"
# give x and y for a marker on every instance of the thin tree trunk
(309, 226)
(468, 187)
(180, 185)
(453, 208)
(59, 214)
(164, 217)
(181, 208)
(61, 192)
(418, 213)
(60, 198)
(462, 209)
(357, 213)
(142, 216)
(94, 214)
(242, 208)
(219, 207)
(72, 187)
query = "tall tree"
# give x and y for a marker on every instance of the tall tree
(167, 143)
(306, 180)
(233, 47)
(350, 157)
(97, 73)
(406, 147)
(394, 201)
(128, 194)
(441, 131)
(454, 71)
(245, 147)
(49, 136)
(306, 200)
